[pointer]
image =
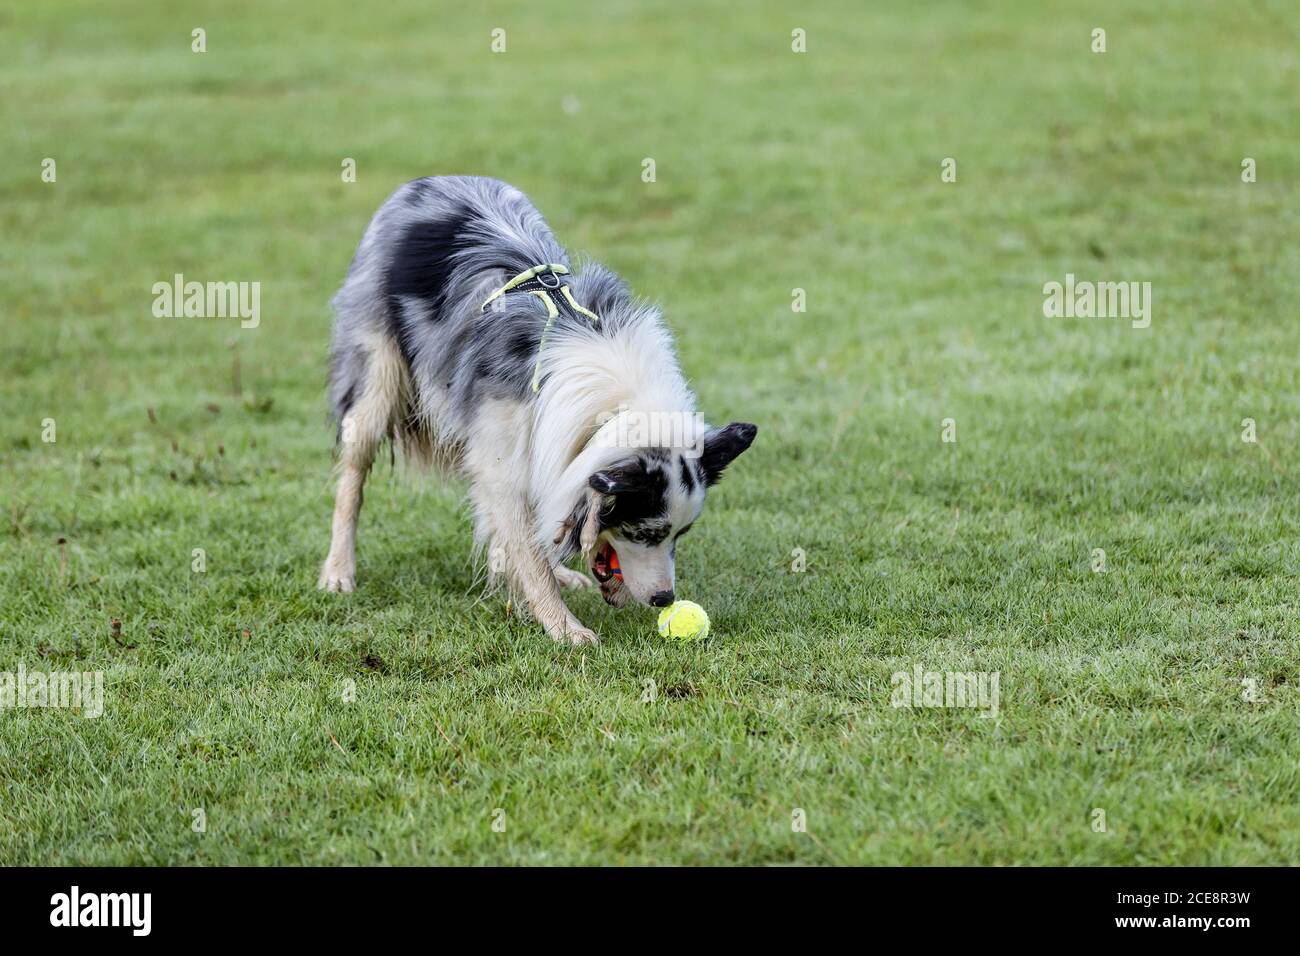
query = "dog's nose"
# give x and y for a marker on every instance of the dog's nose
(661, 598)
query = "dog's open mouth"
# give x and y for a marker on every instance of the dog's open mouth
(605, 569)
(604, 562)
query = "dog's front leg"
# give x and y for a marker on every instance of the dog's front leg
(534, 578)
(569, 578)
(496, 461)
(503, 521)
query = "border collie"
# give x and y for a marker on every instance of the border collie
(464, 335)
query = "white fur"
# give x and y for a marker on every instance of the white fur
(596, 383)
(452, 388)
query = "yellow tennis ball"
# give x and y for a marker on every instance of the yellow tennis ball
(684, 621)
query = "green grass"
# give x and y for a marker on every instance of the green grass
(1120, 690)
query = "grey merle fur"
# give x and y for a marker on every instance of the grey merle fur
(463, 385)
(436, 249)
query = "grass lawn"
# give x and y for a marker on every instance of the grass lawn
(395, 725)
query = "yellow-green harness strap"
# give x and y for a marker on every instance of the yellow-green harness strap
(552, 312)
(568, 294)
(523, 277)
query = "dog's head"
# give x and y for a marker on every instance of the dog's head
(643, 503)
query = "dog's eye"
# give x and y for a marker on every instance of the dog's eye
(647, 536)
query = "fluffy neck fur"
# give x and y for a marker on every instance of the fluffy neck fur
(595, 384)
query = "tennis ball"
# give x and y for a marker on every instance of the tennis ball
(684, 621)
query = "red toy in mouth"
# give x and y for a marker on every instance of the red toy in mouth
(605, 564)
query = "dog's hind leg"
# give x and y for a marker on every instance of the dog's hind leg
(362, 428)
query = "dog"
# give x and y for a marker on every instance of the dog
(463, 334)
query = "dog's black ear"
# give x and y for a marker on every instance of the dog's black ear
(621, 478)
(722, 445)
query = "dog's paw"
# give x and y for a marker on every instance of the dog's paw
(580, 636)
(573, 632)
(335, 577)
(569, 578)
